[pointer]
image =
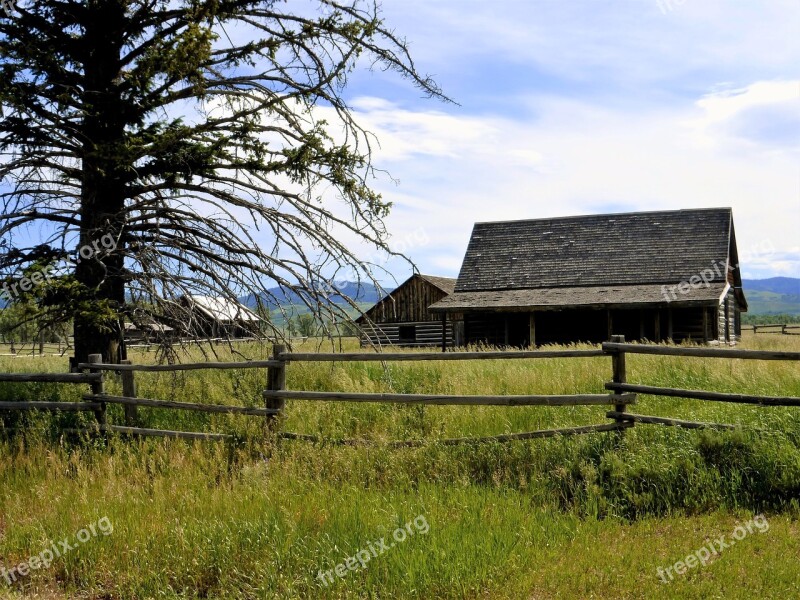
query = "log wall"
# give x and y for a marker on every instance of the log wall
(425, 333)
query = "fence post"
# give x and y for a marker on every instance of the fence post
(97, 389)
(618, 373)
(129, 390)
(276, 381)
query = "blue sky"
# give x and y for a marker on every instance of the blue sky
(569, 107)
(578, 107)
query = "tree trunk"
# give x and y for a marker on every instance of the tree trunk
(104, 172)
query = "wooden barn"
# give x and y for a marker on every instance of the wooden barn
(218, 317)
(402, 318)
(147, 332)
(670, 275)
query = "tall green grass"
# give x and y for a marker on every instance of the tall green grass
(259, 519)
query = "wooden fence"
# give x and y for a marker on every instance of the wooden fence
(782, 328)
(621, 395)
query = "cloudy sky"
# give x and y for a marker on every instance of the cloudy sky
(578, 107)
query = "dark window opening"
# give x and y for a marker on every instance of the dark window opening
(407, 333)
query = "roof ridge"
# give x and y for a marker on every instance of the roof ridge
(436, 280)
(620, 214)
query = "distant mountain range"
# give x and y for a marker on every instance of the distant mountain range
(777, 285)
(362, 292)
(773, 296)
(776, 295)
(282, 302)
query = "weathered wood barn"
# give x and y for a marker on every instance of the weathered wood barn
(671, 275)
(402, 317)
(148, 332)
(217, 317)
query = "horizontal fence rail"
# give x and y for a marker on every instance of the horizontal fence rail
(444, 400)
(51, 377)
(209, 408)
(62, 406)
(700, 352)
(666, 421)
(704, 395)
(245, 364)
(418, 356)
(785, 329)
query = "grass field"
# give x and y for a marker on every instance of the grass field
(590, 516)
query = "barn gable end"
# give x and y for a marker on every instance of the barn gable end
(402, 316)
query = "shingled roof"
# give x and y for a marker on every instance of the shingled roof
(446, 284)
(615, 258)
(221, 309)
(618, 296)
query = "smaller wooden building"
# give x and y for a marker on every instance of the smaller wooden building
(402, 318)
(218, 317)
(147, 333)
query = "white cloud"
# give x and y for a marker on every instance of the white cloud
(720, 106)
(405, 133)
(576, 158)
(735, 113)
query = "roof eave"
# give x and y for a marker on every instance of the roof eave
(554, 307)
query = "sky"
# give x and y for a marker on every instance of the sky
(572, 107)
(589, 107)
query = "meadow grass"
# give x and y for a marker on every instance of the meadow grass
(589, 516)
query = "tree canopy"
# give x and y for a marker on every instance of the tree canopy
(211, 140)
